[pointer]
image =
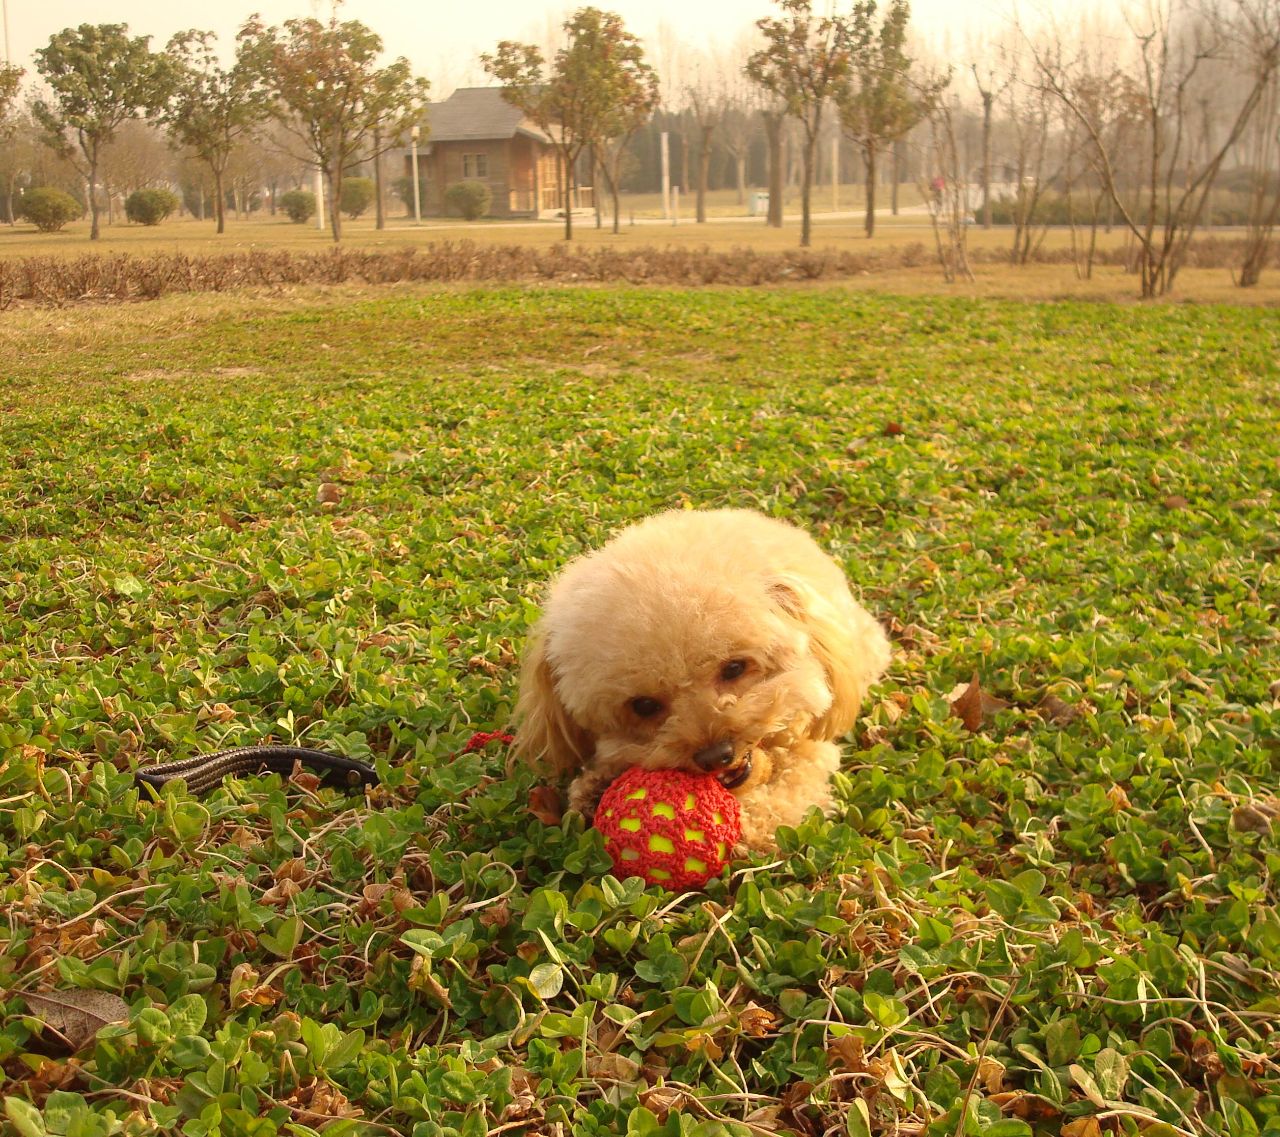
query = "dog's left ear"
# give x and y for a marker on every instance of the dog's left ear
(845, 638)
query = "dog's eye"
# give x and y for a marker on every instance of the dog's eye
(646, 706)
(734, 669)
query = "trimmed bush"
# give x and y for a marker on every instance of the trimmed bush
(357, 196)
(403, 189)
(150, 206)
(471, 199)
(48, 209)
(299, 205)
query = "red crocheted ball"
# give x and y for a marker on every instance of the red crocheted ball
(673, 828)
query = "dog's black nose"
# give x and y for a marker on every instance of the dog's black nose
(715, 757)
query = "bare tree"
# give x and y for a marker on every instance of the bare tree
(947, 189)
(1264, 156)
(988, 92)
(138, 157)
(1174, 43)
(1029, 108)
(707, 102)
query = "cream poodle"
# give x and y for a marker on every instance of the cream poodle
(717, 640)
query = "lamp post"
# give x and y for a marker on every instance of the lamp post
(417, 196)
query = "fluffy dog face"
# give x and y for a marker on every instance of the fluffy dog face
(694, 674)
(707, 641)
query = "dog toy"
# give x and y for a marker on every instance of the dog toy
(670, 827)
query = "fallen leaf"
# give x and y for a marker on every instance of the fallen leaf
(991, 1074)
(892, 428)
(328, 494)
(1082, 1127)
(973, 706)
(612, 1068)
(76, 1014)
(1176, 501)
(849, 1052)
(544, 804)
(1250, 819)
(1054, 710)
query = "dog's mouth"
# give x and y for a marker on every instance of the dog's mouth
(733, 777)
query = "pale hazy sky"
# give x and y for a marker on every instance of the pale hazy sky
(443, 38)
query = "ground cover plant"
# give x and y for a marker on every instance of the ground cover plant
(1046, 904)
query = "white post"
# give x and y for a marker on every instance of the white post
(835, 173)
(6, 31)
(319, 198)
(666, 177)
(417, 199)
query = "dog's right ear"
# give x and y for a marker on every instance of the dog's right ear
(546, 735)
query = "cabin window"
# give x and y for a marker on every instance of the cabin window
(475, 165)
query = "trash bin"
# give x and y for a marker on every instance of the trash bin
(757, 204)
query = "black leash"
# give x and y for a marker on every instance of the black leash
(203, 772)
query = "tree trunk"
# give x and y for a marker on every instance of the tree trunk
(94, 232)
(597, 174)
(380, 212)
(566, 186)
(897, 176)
(219, 201)
(704, 172)
(806, 185)
(740, 161)
(773, 130)
(333, 176)
(987, 99)
(870, 153)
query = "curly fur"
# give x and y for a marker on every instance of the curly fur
(657, 614)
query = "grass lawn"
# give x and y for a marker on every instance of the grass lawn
(1057, 916)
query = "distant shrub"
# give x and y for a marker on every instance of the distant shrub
(471, 199)
(150, 206)
(357, 196)
(403, 189)
(299, 205)
(48, 209)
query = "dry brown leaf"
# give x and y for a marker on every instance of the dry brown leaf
(973, 706)
(291, 869)
(756, 1021)
(421, 979)
(991, 1074)
(612, 1068)
(848, 1052)
(1054, 710)
(1081, 1127)
(328, 494)
(544, 804)
(1028, 1107)
(246, 991)
(1119, 798)
(76, 1014)
(1176, 501)
(281, 893)
(1251, 819)
(664, 1100)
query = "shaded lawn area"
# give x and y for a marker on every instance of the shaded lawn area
(1055, 917)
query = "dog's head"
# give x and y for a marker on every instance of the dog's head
(697, 641)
